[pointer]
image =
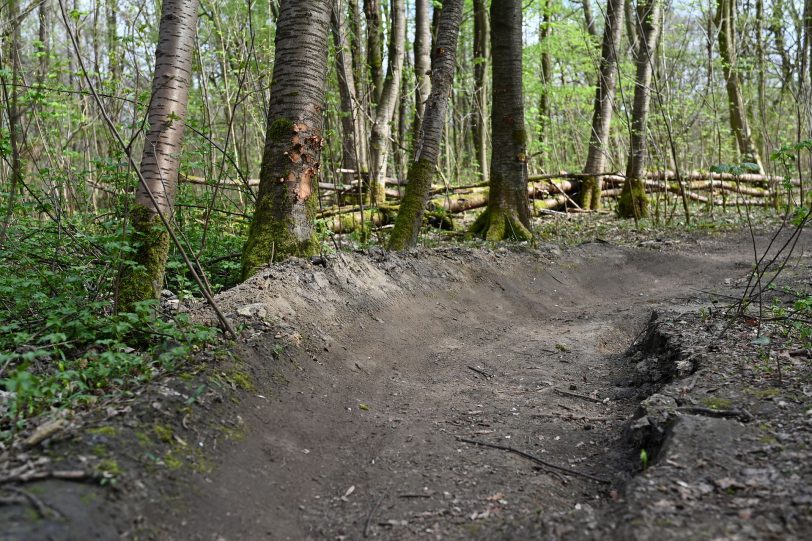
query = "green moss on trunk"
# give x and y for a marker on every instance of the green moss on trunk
(144, 280)
(377, 192)
(591, 194)
(633, 201)
(276, 234)
(496, 224)
(413, 205)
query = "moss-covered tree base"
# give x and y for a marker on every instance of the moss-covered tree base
(591, 194)
(143, 279)
(496, 224)
(377, 193)
(276, 235)
(633, 202)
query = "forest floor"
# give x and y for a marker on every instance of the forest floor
(350, 405)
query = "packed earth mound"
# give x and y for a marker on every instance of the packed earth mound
(566, 393)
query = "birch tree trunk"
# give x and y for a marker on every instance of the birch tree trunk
(508, 211)
(422, 61)
(633, 201)
(726, 23)
(385, 110)
(160, 162)
(427, 147)
(283, 220)
(604, 103)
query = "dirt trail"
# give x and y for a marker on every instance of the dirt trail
(353, 432)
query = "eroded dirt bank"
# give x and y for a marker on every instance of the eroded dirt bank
(355, 431)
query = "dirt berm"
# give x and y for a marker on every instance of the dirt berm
(487, 394)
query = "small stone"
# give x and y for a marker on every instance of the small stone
(253, 310)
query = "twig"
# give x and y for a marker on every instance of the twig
(535, 459)
(66, 475)
(570, 417)
(742, 415)
(478, 371)
(372, 512)
(576, 395)
(41, 507)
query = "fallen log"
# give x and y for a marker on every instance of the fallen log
(693, 196)
(720, 185)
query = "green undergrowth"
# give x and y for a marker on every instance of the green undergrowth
(62, 344)
(579, 228)
(791, 308)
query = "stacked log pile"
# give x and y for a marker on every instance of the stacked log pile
(341, 211)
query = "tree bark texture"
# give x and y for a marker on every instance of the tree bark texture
(11, 46)
(604, 104)
(422, 61)
(160, 162)
(726, 23)
(372, 14)
(631, 29)
(283, 219)
(589, 20)
(545, 32)
(776, 28)
(508, 211)
(385, 110)
(43, 35)
(353, 142)
(427, 147)
(481, 59)
(633, 201)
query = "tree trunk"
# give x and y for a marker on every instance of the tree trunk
(372, 13)
(385, 110)
(508, 211)
(359, 72)
(546, 74)
(481, 58)
(631, 29)
(777, 30)
(160, 162)
(633, 201)
(44, 37)
(422, 62)
(726, 23)
(604, 103)
(589, 20)
(353, 147)
(404, 124)
(805, 42)
(427, 148)
(283, 219)
(11, 102)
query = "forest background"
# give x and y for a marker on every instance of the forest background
(73, 70)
